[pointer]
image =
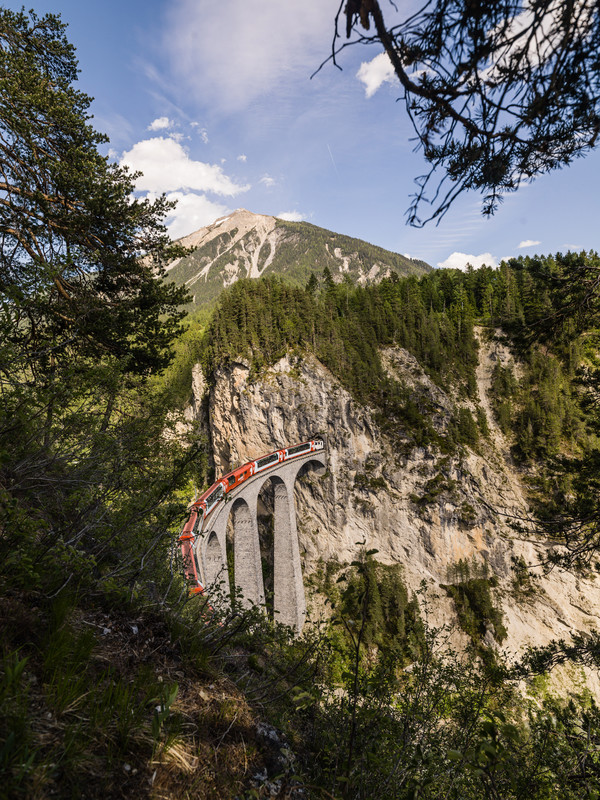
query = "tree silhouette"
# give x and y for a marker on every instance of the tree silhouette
(497, 91)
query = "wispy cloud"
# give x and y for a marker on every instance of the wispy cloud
(118, 129)
(253, 61)
(267, 181)
(528, 243)
(202, 132)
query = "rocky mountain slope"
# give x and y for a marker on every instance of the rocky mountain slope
(247, 245)
(418, 508)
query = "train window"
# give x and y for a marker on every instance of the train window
(264, 462)
(299, 448)
(231, 480)
(214, 495)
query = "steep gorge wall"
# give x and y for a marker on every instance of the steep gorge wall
(374, 483)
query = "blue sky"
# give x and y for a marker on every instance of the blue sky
(214, 102)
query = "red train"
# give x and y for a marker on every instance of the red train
(212, 497)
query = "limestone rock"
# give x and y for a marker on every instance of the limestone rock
(369, 491)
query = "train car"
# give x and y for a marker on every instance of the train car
(210, 499)
(268, 461)
(186, 541)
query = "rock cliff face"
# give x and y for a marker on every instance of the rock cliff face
(380, 492)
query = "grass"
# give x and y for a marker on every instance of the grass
(104, 701)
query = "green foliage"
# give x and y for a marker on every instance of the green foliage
(444, 727)
(504, 390)
(477, 610)
(90, 467)
(307, 249)
(467, 515)
(345, 326)
(87, 466)
(73, 280)
(466, 428)
(523, 579)
(369, 482)
(17, 753)
(433, 488)
(94, 717)
(371, 598)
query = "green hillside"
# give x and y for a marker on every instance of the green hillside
(307, 248)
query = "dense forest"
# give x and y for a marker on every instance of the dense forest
(249, 244)
(539, 304)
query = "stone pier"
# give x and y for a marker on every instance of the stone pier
(242, 502)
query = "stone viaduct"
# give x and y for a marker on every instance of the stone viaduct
(242, 502)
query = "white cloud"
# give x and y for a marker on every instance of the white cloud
(267, 181)
(291, 216)
(572, 247)
(167, 167)
(243, 50)
(379, 70)
(376, 72)
(192, 211)
(160, 124)
(242, 157)
(460, 261)
(202, 132)
(528, 243)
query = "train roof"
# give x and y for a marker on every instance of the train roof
(211, 488)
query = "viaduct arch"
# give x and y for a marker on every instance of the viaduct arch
(241, 503)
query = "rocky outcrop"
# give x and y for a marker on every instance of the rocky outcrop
(416, 507)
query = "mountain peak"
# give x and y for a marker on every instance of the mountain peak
(243, 244)
(241, 218)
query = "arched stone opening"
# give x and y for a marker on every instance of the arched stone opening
(215, 567)
(312, 467)
(265, 518)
